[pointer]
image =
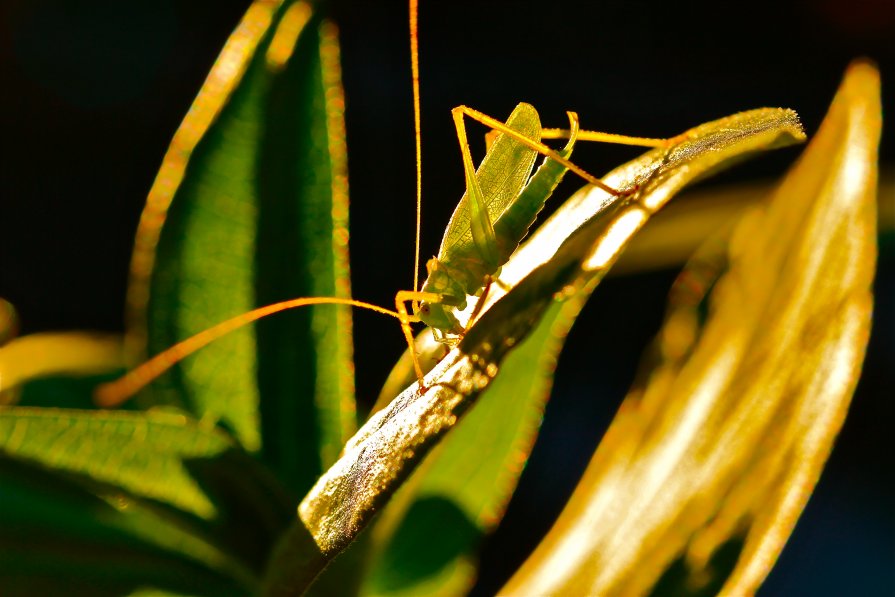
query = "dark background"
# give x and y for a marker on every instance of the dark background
(93, 91)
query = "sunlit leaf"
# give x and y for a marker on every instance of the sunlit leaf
(250, 208)
(60, 353)
(567, 256)
(461, 490)
(675, 233)
(700, 479)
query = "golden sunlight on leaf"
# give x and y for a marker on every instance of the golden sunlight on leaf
(675, 233)
(58, 353)
(717, 452)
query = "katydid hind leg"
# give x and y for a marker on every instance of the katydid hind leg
(460, 111)
(480, 222)
(602, 137)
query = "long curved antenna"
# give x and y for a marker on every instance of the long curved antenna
(115, 392)
(415, 72)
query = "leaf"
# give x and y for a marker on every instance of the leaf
(702, 476)
(395, 439)
(674, 234)
(9, 322)
(62, 535)
(140, 452)
(128, 460)
(57, 353)
(250, 208)
(677, 231)
(461, 490)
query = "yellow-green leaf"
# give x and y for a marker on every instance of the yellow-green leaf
(722, 446)
(58, 353)
(143, 453)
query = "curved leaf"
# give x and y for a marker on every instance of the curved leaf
(194, 471)
(675, 233)
(250, 208)
(130, 460)
(141, 452)
(60, 535)
(58, 353)
(395, 439)
(714, 458)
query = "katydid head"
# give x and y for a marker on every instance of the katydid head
(439, 317)
(438, 314)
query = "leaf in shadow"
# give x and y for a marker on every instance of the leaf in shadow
(67, 534)
(404, 565)
(227, 505)
(564, 259)
(727, 437)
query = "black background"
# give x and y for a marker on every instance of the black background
(93, 91)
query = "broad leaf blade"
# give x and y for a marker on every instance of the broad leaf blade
(60, 535)
(193, 472)
(395, 439)
(141, 452)
(154, 471)
(722, 447)
(250, 208)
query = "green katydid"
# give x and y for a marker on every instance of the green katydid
(501, 203)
